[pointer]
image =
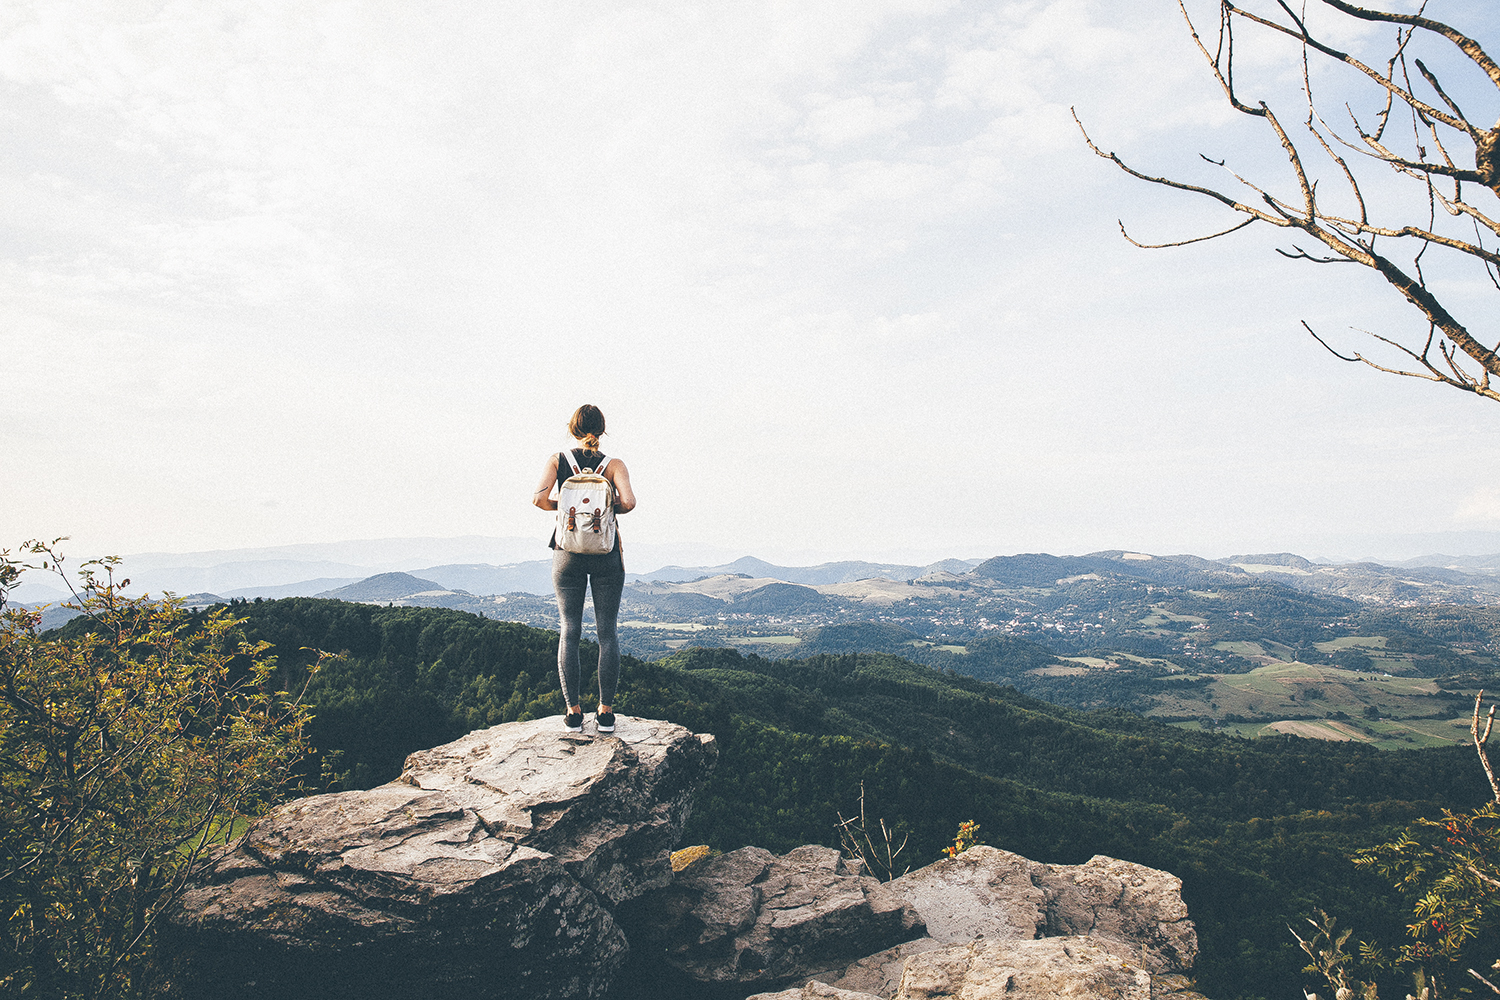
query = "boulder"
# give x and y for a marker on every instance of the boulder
(491, 865)
(1135, 911)
(610, 809)
(749, 917)
(990, 895)
(981, 893)
(1055, 968)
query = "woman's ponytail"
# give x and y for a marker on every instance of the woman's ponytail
(587, 425)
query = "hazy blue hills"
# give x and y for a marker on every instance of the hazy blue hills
(1489, 565)
(384, 587)
(534, 577)
(239, 576)
(823, 574)
(308, 570)
(302, 588)
(1363, 581)
(1038, 569)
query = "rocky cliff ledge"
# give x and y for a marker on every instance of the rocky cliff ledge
(489, 868)
(517, 861)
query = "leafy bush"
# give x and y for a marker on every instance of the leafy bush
(1450, 869)
(127, 750)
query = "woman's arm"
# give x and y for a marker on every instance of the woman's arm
(542, 496)
(619, 477)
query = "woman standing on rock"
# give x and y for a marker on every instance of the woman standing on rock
(601, 572)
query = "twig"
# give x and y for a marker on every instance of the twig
(1480, 741)
(1485, 981)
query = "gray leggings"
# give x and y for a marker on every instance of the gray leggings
(572, 573)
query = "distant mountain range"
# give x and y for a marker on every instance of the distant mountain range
(820, 575)
(1437, 579)
(1468, 564)
(1266, 639)
(484, 565)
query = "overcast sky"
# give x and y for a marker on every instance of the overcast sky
(843, 277)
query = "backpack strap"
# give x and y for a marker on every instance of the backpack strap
(573, 462)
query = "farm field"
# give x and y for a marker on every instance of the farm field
(1230, 660)
(1318, 701)
(1384, 735)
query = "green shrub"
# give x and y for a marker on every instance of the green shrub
(127, 749)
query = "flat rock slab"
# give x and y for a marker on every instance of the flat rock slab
(1057, 968)
(609, 808)
(751, 917)
(490, 866)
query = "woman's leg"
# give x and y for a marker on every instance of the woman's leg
(607, 588)
(570, 582)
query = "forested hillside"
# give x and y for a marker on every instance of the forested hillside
(1259, 831)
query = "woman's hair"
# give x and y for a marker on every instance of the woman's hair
(587, 425)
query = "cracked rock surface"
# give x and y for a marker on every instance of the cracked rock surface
(1055, 968)
(491, 865)
(750, 917)
(1134, 911)
(990, 896)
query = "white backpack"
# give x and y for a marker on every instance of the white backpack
(586, 510)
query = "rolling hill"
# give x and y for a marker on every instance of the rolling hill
(388, 587)
(1258, 830)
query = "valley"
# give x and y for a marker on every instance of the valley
(1259, 830)
(1240, 732)
(1251, 646)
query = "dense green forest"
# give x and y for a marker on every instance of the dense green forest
(1260, 831)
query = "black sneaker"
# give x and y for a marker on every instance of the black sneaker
(573, 722)
(606, 722)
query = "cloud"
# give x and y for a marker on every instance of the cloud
(362, 257)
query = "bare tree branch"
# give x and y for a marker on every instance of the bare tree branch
(1301, 34)
(1467, 45)
(1462, 360)
(1183, 243)
(1481, 740)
